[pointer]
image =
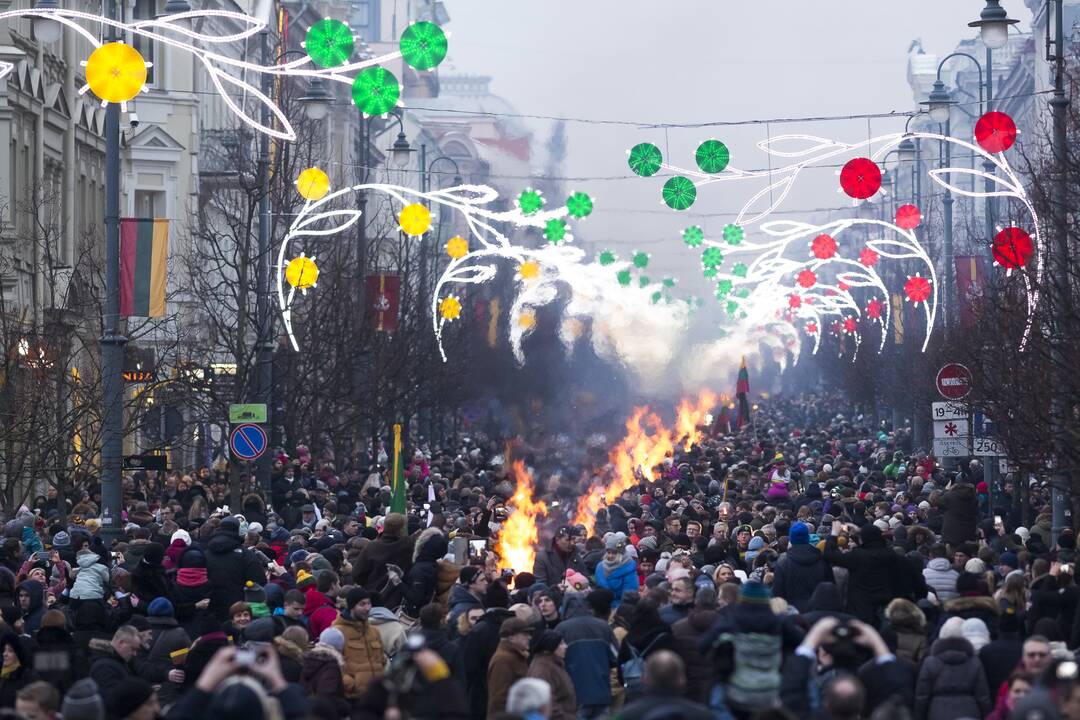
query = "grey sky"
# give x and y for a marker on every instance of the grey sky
(685, 61)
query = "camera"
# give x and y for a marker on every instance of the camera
(133, 120)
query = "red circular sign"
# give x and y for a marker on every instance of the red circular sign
(954, 381)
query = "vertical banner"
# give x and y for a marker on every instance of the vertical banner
(144, 252)
(397, 488)
(970, 284)
(383, 293)
(897, 301)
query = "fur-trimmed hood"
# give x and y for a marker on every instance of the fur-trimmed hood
(323, 652)
(905, 616)
(952, 650)
(287, 649)
(429, 544)
(975, 602)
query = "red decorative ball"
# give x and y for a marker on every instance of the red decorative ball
(849, 325)
(874, 308)
(823, 246)
(806, 278)
(861, 178)
(917, 289)
(995, 132)
(1012, 248)
(908, 217)
(794, 301)
(868, 257)
(811, 328)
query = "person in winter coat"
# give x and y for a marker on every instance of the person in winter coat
(67, 659)
(940, 575)
(31, 597)
(591, 648)
(961, 514)
(799, 572)
(617, 571)
(319, 609)
(951, 683)
(551, 564)
(908, 622)
(321, 673)
(391, 552)
(432, 625)
(229, 565)
(92, 579)
(647, 634)
(167, 637)
(391, 630)
(148, 579)
(191, 593)
(111, 660)
(363, 653)
(421, 583)
(549, 652)
(477, 649)
(688, 633)
(872, 567)
(509, 663)
(17, 670)
(468, 594)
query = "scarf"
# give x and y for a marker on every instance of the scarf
(610, 567)
(191, 577)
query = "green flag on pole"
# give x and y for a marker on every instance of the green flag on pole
(397, 484)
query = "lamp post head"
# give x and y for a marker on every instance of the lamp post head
(993, 24)
(47, 30)
(906, 150)
(317, 101)
(401, 151)
(175, 7)
(939, 103)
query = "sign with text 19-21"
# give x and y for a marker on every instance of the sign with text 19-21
(949, 411)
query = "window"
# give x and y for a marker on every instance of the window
(146, 10)
(366, 19)
(149, 203)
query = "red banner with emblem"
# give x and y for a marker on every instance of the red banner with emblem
(970, 285)
(383, 295)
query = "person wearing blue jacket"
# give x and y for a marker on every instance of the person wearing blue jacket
(590, 649)
(617, 571)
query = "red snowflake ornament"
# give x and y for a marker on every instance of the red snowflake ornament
(995, 132)
(806, 279)
(794, 301)
(811, 328)
(874, 309)
(849, 325)
(868, 257)
(1012, 248)
(861, 178)
(823, 247)
(917, 289)
(908, 217)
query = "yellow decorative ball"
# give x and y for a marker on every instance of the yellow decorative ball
(313, 184)
(457, 247)
(415, 220)
(116, 72)
(450, 308)
(529, 270)
(302, 272)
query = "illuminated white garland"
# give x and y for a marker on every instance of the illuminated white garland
(173, 31)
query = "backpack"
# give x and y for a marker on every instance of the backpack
(633, 670)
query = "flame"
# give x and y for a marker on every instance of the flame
(690, 416)
(518, 536)
(646, 444)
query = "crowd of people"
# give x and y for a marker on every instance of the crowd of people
(811, 565)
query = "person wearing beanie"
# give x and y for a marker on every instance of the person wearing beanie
(132, 698)
(421, 583)
(617, 571)
(509, 663)
(169, 643)
(304, 580)
(756, 544)
(800, 570)
(876, 574)
(83, 702)
(321, 669)
(364, 656)
(255, 596)
(468, 594)
(191, 593)
(390, 553)
(229, 566)
(548, 664)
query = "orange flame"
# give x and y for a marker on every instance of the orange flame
(645, 446)
(519, 535)
(690, 416)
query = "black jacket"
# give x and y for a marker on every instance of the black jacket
(371, 567)
(476, 651)
(106, 667)
(798, 574)
(872, 577)
(961, 514)
(228, 566)
(422, 581)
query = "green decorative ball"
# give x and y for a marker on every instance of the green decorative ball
(423, 45)
(645, 159)
(712, 156)
(679, 193)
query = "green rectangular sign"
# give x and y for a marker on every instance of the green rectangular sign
(250, 413)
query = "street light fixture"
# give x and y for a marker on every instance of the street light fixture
(993, 24)
(46, 29)
(317, 101)
(175, 7)
(939, 103)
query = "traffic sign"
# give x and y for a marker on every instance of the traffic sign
(951, 429)
(950, 447)
(247, 441)
(948, 411)
(987, 447)
(954, 381)
(250, 413)
(986, 442)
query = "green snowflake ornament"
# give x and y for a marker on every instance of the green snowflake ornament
(623, 276)
(712, 257)
(679, 193)
(375, 91)
(423, 45)
(732, 307)
(641, 260)
(693, 236)
(643, 281)
(530, 201)
(733, 234)
(712, 156)
(656, 297)
(579, 205)
(709, 272)
(645, 159)
(723, 289)
(555, 231)
(739, 270)
(669, 282)
(329, 43)
(607, 257)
